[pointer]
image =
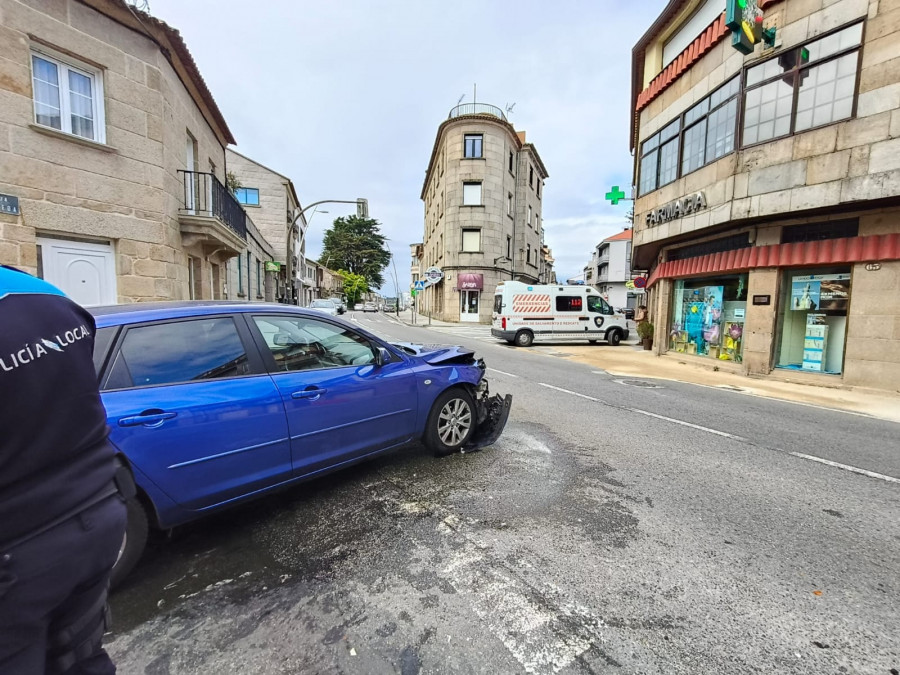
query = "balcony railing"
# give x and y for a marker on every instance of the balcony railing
(205, 196)
(476, 109)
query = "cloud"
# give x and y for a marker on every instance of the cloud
(346, 97)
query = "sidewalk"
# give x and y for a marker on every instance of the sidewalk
(630, 360)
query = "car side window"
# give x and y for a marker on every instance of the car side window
(597, 304)
(178, 351)
(300, 343)
(568, 303)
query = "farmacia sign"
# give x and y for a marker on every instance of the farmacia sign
(677, 209)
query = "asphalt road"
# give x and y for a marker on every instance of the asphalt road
(618, 526)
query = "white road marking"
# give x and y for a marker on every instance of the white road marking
(687, 424)
(800, 455)
(494, 370)
(649, 414)
(574, 393)
(845, 467)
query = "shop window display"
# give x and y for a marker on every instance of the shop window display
(813, 320)
(708, 317)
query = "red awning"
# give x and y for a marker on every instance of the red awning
(873, 248)
(470, 282)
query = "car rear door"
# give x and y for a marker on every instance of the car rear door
(341, 405)
(191, 405)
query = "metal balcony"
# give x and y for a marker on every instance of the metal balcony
(477, 109)
(211, 217)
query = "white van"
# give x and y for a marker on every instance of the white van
(524, 313)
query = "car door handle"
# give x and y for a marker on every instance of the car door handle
(146, 418)
(311, 392)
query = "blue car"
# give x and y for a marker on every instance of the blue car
(214, 403)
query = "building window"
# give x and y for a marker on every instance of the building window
(812, 319)
(68, 97)
(817, 80)
(703, 134)
(249, 286)
(509, 204)
(247, 196)
(259, 278)
(473, 143)
(510, 162)
(531, 176)
(471, 241)
(529, 215)
(528, 253)
(240, 277)
(538, 188)
(471, 194)
(708, 317)
(537, 223)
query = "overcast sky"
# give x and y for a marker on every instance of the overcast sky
(345, 97)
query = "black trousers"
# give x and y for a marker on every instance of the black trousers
(54, 582)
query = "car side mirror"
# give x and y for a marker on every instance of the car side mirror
(382, 356)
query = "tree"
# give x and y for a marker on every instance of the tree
(356, 244)
(232, 182)
(354, 286)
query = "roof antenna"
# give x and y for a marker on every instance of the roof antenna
(460, 99)
(509, 107)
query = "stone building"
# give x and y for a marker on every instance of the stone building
(610, 270)
(483, 218)
(271, 201)
(113, 150)
(767, 187)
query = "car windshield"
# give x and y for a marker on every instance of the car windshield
(321, 303)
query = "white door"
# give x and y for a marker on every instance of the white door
(85, 272)
(468, 306)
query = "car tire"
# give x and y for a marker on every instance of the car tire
(614, 337)
(524, 338)
(136, 530)
(451, 422)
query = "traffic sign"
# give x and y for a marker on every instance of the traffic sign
(640, 282)
(419, 285)
(433, 275)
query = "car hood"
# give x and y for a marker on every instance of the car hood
(435, 354)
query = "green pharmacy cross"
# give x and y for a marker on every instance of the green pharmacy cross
(615, 195)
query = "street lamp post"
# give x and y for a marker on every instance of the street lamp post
(362, 211)
(396, 282)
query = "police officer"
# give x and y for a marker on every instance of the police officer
(62, 519)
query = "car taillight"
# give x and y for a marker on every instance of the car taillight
(503, 322)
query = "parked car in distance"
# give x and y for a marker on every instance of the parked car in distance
(358, 307)
(627, 311)
(370, 307)
(214, 403)
(326, 306)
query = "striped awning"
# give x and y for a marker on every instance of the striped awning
(873, 248)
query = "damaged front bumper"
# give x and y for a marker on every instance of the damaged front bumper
(492, 412)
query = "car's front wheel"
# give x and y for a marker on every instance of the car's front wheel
(451, 422)
(133, 542)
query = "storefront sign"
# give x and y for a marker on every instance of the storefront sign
(432, 276)
(470, 282)
(273, 266)
(873, 267)
(9, 205)
(820, 292)
(762, 299)
(677, 209)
